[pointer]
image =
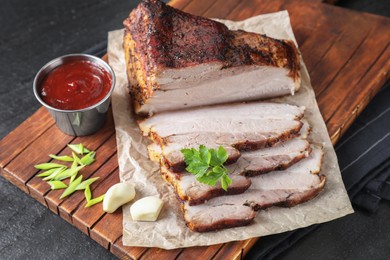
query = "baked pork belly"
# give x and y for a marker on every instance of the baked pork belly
(239, 127)
(299, 183)
(232, 142)
(176, 60)
(249, 164)
(279, 157)
(247, 111)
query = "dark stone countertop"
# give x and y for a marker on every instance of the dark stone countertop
(34, 32)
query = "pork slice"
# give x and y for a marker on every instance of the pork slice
(253, 163)
(222, 216)
(189, 189)
(172, 145)
(249, 164)
(197, 119)
(278, 157)
(173, 58)
(287, 188)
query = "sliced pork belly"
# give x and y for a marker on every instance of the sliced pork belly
(278, 157)
(173, 58)
(189, 189)
(299, 183)
(250, 164)
(172, 145)
(259, 161)
(227, 215)
(227, 131)
(200, 118)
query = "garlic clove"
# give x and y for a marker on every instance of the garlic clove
(146, 209)
(118, 195)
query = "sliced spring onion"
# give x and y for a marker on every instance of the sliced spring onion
(86, 183)
(87, 193)
(72, 187)
(56, 185)
(63, 158)
(78, 148)
(68, 173)
(46, 173)
(94, 201)
(55, 173)
(88, 159)
(72, 178)
(76, 159)
(48, 166)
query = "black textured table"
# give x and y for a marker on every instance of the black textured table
(34, 32)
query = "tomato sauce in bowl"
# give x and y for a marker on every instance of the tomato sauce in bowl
(76, 90)
(75, 85)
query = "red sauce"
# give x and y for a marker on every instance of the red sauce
(75, 85)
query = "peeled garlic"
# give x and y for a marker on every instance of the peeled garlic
(146, 209)
(117, 195)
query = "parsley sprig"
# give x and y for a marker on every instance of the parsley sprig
(207, 165)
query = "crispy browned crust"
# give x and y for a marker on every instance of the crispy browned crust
(158, 36)
(251, 173)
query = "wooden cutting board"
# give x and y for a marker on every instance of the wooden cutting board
(348, 57)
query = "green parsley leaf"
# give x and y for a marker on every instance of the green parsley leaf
(222, 154)
(207, 165)
(225, 181)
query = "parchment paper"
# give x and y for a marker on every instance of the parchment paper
(134, 166)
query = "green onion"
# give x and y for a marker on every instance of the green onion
(76, 159)
(86, 183)
(55, 173)
(47, 173)
(87, 193)
(56, 185)
(94, 201)
(63, 158)
(68, 173)
(88, 159)
(72, 178)
(47, 166)
(72, 187)
(78, 148)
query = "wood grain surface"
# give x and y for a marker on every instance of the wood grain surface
(348, 58)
